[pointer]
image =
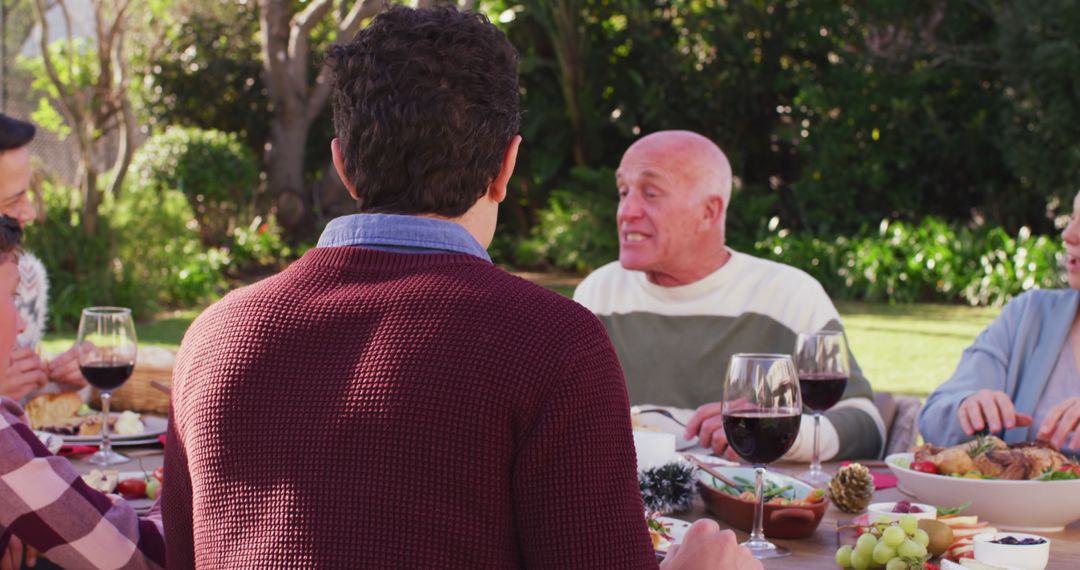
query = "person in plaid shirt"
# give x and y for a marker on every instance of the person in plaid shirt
(43, 500)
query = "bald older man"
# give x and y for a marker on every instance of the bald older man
(679, 302)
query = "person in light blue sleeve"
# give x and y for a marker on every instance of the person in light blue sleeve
(1022, 374)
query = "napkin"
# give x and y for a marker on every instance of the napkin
(882, 480)
(66, 450)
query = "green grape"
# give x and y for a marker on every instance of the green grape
(909, 523)
(861, 559)
(921, 537)
(883, 553)
(884, 520)
(866, 543)
(893, 536)
(911, 549)
(897, 564)
(843, 556)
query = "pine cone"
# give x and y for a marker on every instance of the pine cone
(852, 488)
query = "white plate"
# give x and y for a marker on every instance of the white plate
(52, 441)
(143, 505)
(154, 425)
(1038, 506)
(677, 529)
(133, 442)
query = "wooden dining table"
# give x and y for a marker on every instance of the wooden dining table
(813, 552)
(819, 549)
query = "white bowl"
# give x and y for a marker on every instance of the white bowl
(1039, 506)
(1021, 556)
(877, 510)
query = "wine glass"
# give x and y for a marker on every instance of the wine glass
(762, 409)
(822, 361)
(107, 348)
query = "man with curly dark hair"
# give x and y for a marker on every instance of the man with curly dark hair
(393, 399)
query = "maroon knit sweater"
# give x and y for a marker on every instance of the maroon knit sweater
(380, 410)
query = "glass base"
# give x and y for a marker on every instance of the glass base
(105, 458)
(763, 549)
(815, 477)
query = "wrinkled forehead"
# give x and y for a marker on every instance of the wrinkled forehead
(657, 164)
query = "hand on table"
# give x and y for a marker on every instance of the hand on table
(25, 374)
(989, 408)
(64, 370)
(708, 426)
(12, 559)
(706, 546)
(1063, 419)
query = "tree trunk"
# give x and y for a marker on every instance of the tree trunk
(285, 169)
(90, 195)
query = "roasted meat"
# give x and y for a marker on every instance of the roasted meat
(992, 457)
(955, 459)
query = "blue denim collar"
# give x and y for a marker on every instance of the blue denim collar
(400, 233)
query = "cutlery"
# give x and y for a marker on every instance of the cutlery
(706, 468)
(662, 412)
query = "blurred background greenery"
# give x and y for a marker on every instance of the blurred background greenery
(899, 151)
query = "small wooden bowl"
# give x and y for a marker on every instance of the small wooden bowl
(778, 521)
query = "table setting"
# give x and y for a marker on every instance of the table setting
(862, 514)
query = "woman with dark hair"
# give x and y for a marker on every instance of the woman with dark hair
(26, 372)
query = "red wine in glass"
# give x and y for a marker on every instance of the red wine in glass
(824, 367)
(107, 375)
(762, 437)
(821, 390)
(107, 349)
(761, 413)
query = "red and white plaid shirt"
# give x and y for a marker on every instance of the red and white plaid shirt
(45, 502)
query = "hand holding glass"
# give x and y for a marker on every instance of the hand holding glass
(107, 349)
(762, 410)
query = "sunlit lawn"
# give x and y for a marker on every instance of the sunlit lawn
(902, 348)
(911, 348)
(166, 330)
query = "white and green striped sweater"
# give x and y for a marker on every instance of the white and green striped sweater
(674, 343)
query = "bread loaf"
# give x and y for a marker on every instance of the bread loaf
(53, 409)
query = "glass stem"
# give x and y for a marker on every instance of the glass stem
(815, 463)
(106, 443)
(758, 534)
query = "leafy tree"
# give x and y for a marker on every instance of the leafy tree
(86, 84)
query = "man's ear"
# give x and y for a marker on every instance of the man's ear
(714, 209)
(497, 188)
(339, 166)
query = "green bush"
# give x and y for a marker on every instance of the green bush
(213, 169)
(931, 261)
(260, 245)
(576, 232)
(83, 270)
(158, 245)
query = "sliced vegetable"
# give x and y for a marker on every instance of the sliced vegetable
(925, 467)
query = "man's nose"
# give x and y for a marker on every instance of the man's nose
(629, 207)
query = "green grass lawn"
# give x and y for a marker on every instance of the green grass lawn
(166, 330)
(908, 349)
(911, 349)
